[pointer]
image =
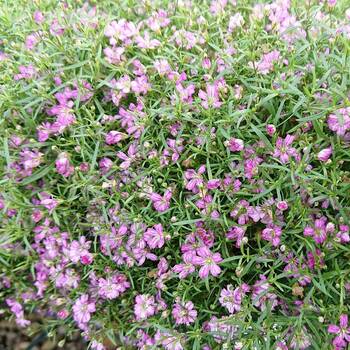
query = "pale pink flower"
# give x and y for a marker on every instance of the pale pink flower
(184, 313)
(82, 309)
(161, 203)
(144, 306)
(155, 236)
(324, 154)
(208, 262)
(63, 165)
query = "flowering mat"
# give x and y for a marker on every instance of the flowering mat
(176, 174)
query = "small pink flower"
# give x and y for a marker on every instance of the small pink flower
(325, 154)
(187, 267)
(184, 313)
(284, 151)
(63, 165)
(161, 203)
(272, 234)
(210, 97)
(235, 145)
(342, 331)
(270, 129)
(339, 122)
(208, 261)
(232, 298)
(144, 306)
(82, 309)
(282, 205)
(38, 17)
(155, 237)
(113, 137)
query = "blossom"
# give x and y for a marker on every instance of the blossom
(235, 145)
(187, 267)
(208, 262)
(283, 149)
(231, 298)
(63, 165)
(339, 122)
(261, 294)
(236, 233)
(265, 65)
(112, 287)
(82, 309)
(79, 251)
(17, 309)
(184, 313)
(342, 331)
(144, 306)
(193, 179)
(318, 230)
(155, 237)
(273, 234)
(113, 137)
(161, 203)
(324, 154)
(236, 21)
(210, 97)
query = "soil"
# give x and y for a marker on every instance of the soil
(15, 338)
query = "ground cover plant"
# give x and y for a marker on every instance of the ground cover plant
(175, 174)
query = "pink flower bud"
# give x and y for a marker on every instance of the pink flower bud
(270, 129)
(324, 154)
(282, 205)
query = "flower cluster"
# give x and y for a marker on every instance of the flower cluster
(175, 175)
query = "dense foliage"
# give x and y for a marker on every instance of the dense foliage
(175, 174)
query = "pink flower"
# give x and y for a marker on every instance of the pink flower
(194, 180)
(146, 42)
(342, 331)
(187, 267)
(17, 309)
(162, 66)
(232, 298)
(261, 294)
(48, 201)
(113, 137)
(129, 158)
(112, 287)
(272, 234)
(324, 155)
(82, 310)
(63, 165)
(105, 165)
(38, 17)
(210, 97)
(236, 21)
(208, 261)
(77, 250)
(144, 306)
(270, 129)
(185, 93)
(265, 65)
(184, 313)
(161, 203)
(318, 230)
(155, 237)
(114, 55)
(339, 122)
(283, 149)
(236, 233)
(235, 145)
(282, 205)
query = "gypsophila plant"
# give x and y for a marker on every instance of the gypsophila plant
(176, 174)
